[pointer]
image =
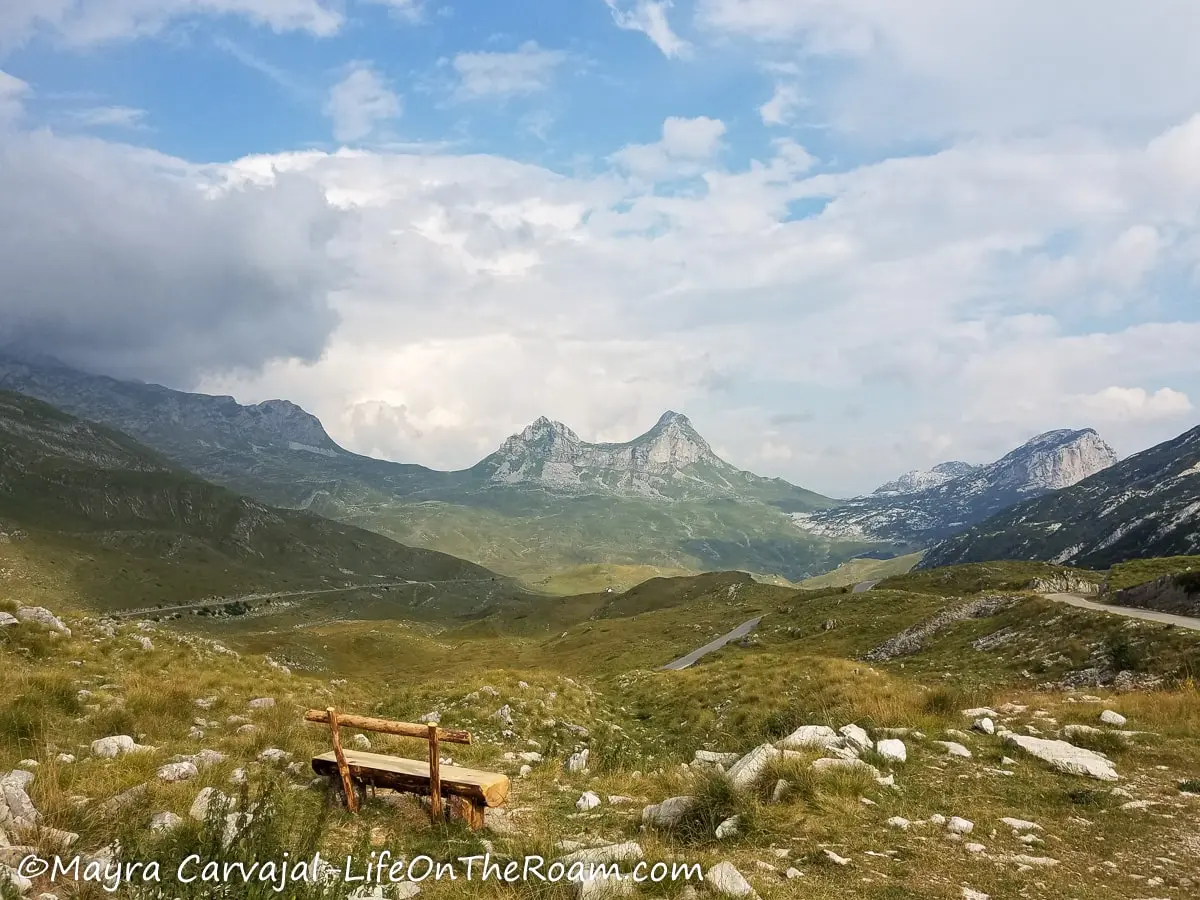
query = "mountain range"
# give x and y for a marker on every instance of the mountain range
(923, 507)
(129, 528)
(1146, 505)
(547, 501)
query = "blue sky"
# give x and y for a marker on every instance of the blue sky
(847, 239)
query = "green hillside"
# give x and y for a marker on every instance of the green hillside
(125, 528)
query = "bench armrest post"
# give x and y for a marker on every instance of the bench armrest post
(435, 776)
(343, 768)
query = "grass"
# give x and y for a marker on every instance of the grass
(1139, 571)
(854, 571)
(643, 725)
(973, 578)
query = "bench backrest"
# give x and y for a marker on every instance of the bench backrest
(430, 733)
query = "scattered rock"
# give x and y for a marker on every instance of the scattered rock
(274, 754)
(958, 825)
(856, 736)
(361, 742)
(504, 714)
(668, 813)
(780, 791)
(116, 745)
(954, 748)
(835, 859)
(892, 749)
(899, 822)
(986, 725)
(1109, 717)
(165, 821)
(713, 758)
(724, 878)
(974, 848)
(204, 800)
(65, 758)
(806, 736)
(1021, 824)
(261, 703)
(1064, 757)
(746, 771)
(430, 718)
(43, 616)
(828, 765)
(178, 771)
(587, 800)
(731, 827)
(578, 761)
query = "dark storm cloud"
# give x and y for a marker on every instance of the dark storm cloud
(123, 261)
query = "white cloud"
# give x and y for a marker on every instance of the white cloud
(109, 117)
(13, 92)
(687, 145)
(412, 11)
(783, 104)
(650, 18)
(77, 23)
(947, 67)
(359, 102)
(527, 70)
(1119, 403)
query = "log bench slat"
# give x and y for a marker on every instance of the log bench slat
(412, 775)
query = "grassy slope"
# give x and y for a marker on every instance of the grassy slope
(125, 529)
(600, 673)
(1139, 571)
(854, 571)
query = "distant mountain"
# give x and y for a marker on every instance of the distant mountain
(918, 480)
(545, 500)
(1147, 505)
(140, 531)
(671, 461)
(920, 508)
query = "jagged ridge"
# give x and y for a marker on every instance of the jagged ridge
(920, 516)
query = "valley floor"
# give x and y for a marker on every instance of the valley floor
(966, 813)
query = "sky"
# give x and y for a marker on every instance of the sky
(847, 238)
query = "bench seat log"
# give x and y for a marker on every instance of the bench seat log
(412, 775)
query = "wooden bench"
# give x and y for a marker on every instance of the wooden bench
(471, 790)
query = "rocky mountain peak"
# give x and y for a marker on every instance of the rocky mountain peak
(1054, 460)
(921, 479)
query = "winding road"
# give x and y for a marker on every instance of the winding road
(741, 631)
(1129, 612)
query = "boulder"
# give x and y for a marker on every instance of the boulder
(892, 749)
(852, 765)
(165, 821)
(274, 754)
(16, 809)
(587, 800)
(608, 854)
(361, 742)
(207, 757)
(668, 813)
(578, 761)
(746, 771)
(713, 758)
(954, 748)
(204, 800)
(806, 736)
(116, 745)
(1109, 717)
(986, 725)
(731, 827)
(43, 616)
(1064, 757)
(261, 703)
(7, 619)
(958, 825)
(856, 736)
(725, 879)
(178, 771)
(899, 822)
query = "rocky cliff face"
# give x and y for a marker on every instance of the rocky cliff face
(669, 461)
(158, 415)
(1146, 505)
(922, 507)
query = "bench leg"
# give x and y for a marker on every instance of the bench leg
(472, 813)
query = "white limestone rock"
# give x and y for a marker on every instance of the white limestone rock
(746, 771)
(1064, 757)
(178, 771)
(668, 813)
(43, 616)
(587, 800)
(892, 749)
(856, 736)
(810, 736)
(261, 703)
(726, 880)
(731, 827)
(117, 745)
(165, 821)
(1111, 717)
(953, 748)
(958, 825)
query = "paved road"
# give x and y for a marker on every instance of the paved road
(1128, 612)
(863, 586)
(741, 631)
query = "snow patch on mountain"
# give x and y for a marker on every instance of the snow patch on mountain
(924, 506)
